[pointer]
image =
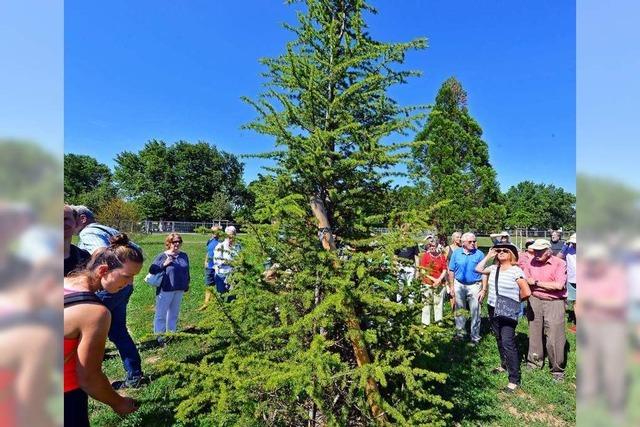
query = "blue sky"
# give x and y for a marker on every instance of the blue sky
(608, 89)
(31, 83)
(171, 70)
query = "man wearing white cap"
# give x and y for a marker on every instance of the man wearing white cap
(223, 255)
(568, 253)
(547, 277)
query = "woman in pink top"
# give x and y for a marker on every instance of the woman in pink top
(86, 326)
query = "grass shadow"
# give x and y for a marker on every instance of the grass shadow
(469, 385)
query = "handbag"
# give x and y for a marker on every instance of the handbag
(154, 280)
(505, 307)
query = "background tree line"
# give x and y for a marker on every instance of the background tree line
(182, 181)
(450, 173)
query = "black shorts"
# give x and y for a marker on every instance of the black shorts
(76, 408)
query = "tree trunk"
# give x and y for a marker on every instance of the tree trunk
(353, 322)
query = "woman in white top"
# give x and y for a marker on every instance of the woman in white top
(511, 284)
(223, 256)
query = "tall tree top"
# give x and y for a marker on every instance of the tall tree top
(451, 96)
(454, 161)
(327, 106)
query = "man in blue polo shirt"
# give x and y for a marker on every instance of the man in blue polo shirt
(466, 285)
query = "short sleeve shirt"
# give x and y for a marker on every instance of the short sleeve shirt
(434, 266)
(464, 264)
(554, 270)
(507, 283)
(211, 246)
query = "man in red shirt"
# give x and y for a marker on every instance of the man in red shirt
(547, 277)
(433, 270)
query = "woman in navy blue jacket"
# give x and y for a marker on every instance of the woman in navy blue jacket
(175, 265)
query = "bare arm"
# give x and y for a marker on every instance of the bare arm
(93, 335)
(525, 290)
(480, 268)
(33, 386)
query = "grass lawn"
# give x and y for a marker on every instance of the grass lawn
(474, 390)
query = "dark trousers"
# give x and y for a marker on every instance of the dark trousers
(505, 331)
(76, 408)
(118, 333)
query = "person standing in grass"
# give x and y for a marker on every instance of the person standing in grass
(86, 324)
(93, 236)
(547, 276)
(510, 282)
(209, 270)
(568, 253)
(175, 282)
(433, 270)
(524, 258)
(466, 286)
(557, 244)
(223, 255)
(74, 257)
(456, 243)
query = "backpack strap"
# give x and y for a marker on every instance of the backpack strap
(105, 229)
(80, 298)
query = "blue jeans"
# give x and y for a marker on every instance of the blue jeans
(223, 287)
(167, 311)
(118, 333)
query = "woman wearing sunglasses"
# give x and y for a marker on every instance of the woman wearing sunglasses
(175, 265)
(508, 280)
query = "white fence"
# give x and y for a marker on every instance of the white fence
(151, 227)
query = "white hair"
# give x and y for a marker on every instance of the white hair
(230, 230)
(468, 236)
(456, 234)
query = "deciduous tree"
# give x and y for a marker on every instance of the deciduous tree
(179, 181)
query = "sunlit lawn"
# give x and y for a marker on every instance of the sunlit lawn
(474, 390)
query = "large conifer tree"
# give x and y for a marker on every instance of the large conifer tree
(320, 338)
(454, 162)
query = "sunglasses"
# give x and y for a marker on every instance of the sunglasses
(502, 251)
(177, 241)
(471, 241)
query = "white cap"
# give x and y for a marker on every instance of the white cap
(230, 229)
(540, 244)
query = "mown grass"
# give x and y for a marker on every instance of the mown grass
(474, 390)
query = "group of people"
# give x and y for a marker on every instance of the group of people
(543, 275)
(98, 284)
(99, 274)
